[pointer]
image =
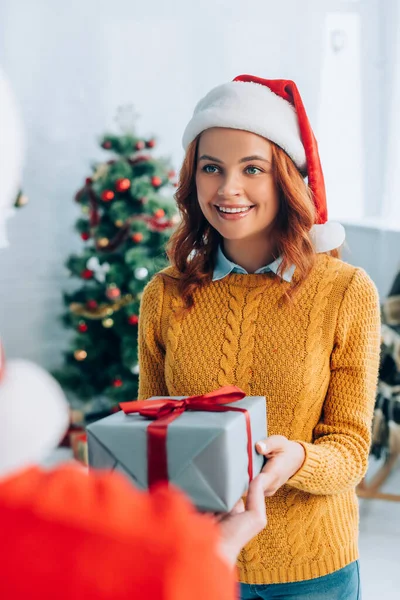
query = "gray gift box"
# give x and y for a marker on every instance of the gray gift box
(206, 451)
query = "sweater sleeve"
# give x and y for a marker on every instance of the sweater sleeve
(151, 346)
(338, 458)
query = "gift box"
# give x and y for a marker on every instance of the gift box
(204, 445)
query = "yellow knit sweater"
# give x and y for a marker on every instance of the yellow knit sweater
(315, 361)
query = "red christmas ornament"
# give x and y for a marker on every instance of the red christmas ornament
(150, 144)
(82, 327)
(113, 293)
(107, 195)
(121, 185)
(133, 320)
(91, 304)
(156, 181)
(117, 383)
(107, 145)
(85, 236)
(159, 214)
(87, 274)
(88, 180)
(137, 238)
(140, 145)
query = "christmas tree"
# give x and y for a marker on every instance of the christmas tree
(128, 214)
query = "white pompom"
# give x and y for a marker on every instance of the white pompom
(329, 236)
(34, 415)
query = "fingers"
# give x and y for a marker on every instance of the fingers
(255, 503)
(270, 482)
(274, 443)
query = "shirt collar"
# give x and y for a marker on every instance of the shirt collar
(224, 267)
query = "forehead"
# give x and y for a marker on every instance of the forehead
(232, 142)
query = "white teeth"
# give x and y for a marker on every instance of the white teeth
(233, 210)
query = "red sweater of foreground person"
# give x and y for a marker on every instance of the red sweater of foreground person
(65, 535)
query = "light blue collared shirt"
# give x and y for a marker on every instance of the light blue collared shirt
(224, 267)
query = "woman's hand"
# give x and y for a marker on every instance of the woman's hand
(284, 459)
(238, 527)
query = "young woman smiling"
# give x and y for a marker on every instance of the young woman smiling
(257, 297)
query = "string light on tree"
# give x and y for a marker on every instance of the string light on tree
(85, 236)
(135, 370)
(82, 327)
(133, 320)
(118, 382)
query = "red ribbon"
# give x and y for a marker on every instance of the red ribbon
(163, 411)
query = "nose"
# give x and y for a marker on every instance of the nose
(230, 187)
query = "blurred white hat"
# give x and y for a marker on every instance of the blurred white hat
(33, 409)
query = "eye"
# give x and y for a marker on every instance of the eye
(210, 169)
(251, 170)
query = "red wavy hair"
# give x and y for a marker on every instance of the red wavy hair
(193, 246)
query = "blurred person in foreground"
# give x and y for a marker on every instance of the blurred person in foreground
(67, 534)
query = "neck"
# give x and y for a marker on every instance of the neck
(250, 254)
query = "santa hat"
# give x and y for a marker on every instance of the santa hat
(273, 109)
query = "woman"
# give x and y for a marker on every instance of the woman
(256, 297)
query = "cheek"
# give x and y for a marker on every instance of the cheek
(205, 191)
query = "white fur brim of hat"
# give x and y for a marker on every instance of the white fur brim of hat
(249, 107)
(34, 415)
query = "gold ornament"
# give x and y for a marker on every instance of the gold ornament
(100, 171)
(80, 355)
(107, 323)
(103, 310)
(22, 200)
(119, 223)
(103, 242)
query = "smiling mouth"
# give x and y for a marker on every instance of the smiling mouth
(233, 210)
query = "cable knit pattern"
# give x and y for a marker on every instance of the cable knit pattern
(316, 362)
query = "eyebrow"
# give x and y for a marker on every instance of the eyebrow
(242, 160)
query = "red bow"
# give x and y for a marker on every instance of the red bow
(163, 411)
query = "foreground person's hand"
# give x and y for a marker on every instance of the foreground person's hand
(243, 523)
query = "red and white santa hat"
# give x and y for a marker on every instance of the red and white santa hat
(271, 108)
